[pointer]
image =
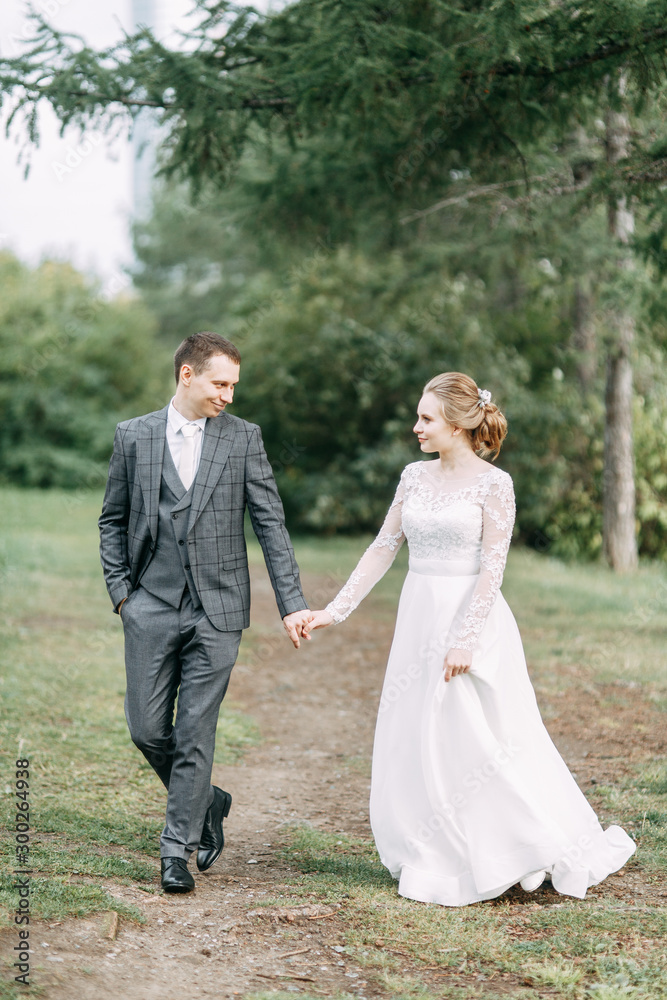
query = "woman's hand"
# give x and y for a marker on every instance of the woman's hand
(320, 619)
(457, 661)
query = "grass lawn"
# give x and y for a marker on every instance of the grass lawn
(98, 809)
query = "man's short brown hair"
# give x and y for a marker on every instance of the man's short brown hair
(198, 349)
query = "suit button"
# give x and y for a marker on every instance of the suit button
(181, 542)
(175, 517)
(187, 566)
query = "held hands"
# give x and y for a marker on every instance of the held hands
(295, 625)
(319, 619)
(457, 661)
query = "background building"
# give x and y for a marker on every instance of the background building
(81, 192)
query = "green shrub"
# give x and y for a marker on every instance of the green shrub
(74, 364)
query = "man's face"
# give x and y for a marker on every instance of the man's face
(207, 394)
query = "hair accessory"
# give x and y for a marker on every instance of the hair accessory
(484, 397)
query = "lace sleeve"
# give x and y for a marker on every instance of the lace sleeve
(497, 525)
(375, 561)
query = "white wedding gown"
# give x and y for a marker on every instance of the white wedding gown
(468, 793)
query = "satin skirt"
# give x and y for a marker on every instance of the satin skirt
(468, 792)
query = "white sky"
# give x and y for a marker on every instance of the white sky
(82, 215)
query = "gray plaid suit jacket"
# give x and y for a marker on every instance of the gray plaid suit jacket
(233, 473)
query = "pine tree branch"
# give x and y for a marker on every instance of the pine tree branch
(552, 192)
(603, 52)
(653, 173)
(477, 192)
(484, 189)
(132, 102)
(128, 102)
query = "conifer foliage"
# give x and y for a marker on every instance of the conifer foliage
(380, 128)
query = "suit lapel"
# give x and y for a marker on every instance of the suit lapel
(150, 455)
(217, 443)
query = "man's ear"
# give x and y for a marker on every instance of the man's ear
(185, 375)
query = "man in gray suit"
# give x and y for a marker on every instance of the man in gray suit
(175, 564)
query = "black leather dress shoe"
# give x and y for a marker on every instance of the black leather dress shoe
(212, 838)
(175, 875)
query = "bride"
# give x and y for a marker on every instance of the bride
(469, 795)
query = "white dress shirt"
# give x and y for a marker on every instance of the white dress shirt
(175, 422)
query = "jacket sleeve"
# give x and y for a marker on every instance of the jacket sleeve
(113, 526)
(268, 522)
(375, 561)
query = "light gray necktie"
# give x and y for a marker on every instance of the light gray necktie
(186, 465)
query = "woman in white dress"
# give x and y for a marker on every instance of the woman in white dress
(469, 795)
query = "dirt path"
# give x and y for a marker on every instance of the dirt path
(316, 712)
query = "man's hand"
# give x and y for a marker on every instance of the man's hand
(457, 661)
(120, 607)
(294, 624)
(319, 619)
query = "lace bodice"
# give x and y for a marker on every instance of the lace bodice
(467, 520)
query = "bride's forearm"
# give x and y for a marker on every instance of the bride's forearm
(348, 597)
(372, 566)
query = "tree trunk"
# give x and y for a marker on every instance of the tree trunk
(619, 538)
(620, 544)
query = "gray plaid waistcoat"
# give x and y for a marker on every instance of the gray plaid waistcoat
(168, 570)
(234, 473)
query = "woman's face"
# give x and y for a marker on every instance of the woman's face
(432, 430)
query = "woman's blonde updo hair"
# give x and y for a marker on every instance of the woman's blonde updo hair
(463, 406)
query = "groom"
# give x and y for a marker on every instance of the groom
(175, 564)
